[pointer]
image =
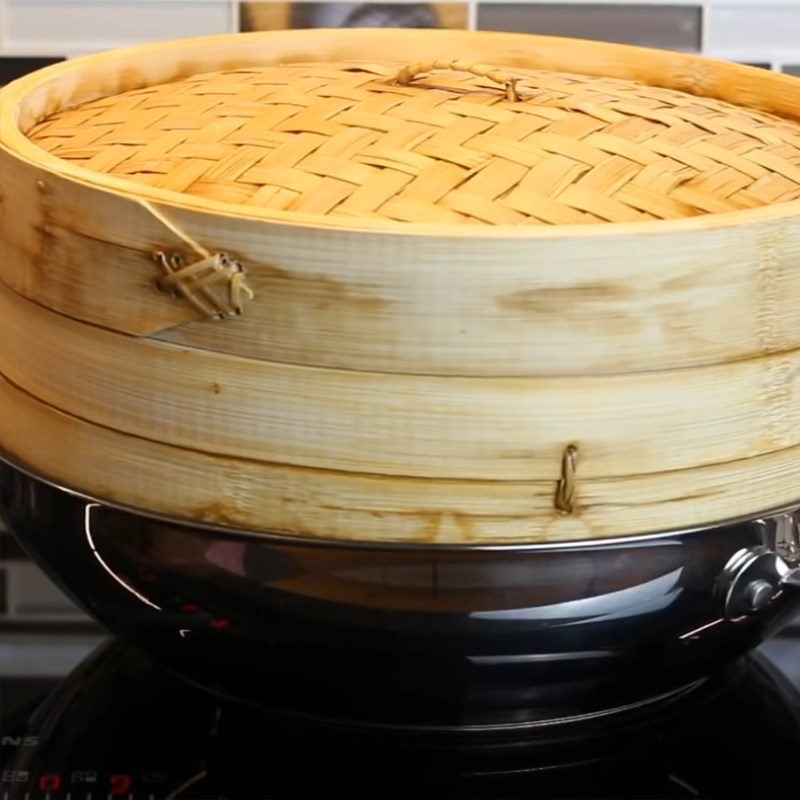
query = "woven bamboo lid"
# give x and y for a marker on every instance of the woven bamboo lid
(449, 142)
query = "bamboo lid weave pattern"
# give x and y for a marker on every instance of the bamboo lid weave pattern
(446, 147)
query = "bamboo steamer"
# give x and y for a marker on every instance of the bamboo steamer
(291, 282)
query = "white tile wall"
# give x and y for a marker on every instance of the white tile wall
(44, 656)
(32, 597)
(675, 27)
(756, 31)
(70, 27)
(759, 27)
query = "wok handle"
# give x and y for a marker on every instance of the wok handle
(791, 580)
(754, 578)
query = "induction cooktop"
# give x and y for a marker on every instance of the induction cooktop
(120, 726)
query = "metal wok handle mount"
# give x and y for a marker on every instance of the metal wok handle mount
(755, 577)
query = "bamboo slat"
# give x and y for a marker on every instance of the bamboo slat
(196, 485)
(484, 428)
(515, 302)
(568, 304)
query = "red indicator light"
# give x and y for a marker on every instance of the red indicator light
(119, 784)
(190, 608)
(50, 782)
(219, 623)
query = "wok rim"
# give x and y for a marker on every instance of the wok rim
(360, 544)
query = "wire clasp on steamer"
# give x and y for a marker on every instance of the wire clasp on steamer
(565, 490)
(215, 285)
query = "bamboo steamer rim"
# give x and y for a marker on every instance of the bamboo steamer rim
(306, 540)
(435, 141)
(780, 94)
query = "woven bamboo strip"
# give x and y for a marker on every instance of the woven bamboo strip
(569, 304)
(349, 140)
(94, 76)
(193, 485)
(498, 428)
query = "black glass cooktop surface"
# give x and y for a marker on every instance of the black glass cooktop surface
(120, 726)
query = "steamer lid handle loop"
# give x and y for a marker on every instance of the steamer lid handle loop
(411, 71)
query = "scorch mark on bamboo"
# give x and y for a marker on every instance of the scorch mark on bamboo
(326, 290)
(547, 300)
(584, 307)
(222, 511)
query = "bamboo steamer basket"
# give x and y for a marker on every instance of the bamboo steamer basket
(523, 289)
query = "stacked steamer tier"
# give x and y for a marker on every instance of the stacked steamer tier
(521, 290)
